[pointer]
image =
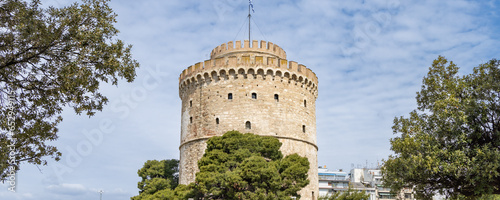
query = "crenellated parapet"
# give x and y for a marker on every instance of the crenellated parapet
(246, 62)
(256, 46)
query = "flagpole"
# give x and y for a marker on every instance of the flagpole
(249, 16)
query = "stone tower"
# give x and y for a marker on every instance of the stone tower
(249, 89)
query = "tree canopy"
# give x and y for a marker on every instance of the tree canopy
(234, 166)
(51, 58)
(248, 166)
(158, 178)
(451, 144)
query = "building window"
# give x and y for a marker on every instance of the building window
(305, 103)
(254, 95)
(217, 121)
(276, 97)
(191, 103)
(304, 128)
(190, 119)
(230, 96)
(248, 125)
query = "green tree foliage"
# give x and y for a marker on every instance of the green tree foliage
(248, 166)
(159, 179)
(234, 166)
(167, 170)
(51, 58)
(489, 197)
(350, 194)
(180, 192)
(451, 144)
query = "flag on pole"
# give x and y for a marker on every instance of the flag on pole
(251, 5)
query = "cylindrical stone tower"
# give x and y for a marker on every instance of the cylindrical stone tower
(251, 89)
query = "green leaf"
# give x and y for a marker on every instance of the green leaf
(451, 145)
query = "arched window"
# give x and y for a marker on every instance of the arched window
(304, 128)
(191, 103)
(276, 97)
(305, 103)
(190, 119)
(254, 95)
(248, 125)
(230, 96)
(217, 121)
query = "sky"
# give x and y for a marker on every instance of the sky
(369, 56)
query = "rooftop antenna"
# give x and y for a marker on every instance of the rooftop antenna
(250, 5)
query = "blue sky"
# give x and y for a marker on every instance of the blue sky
(369, 55)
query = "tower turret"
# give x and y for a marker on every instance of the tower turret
(250, 88)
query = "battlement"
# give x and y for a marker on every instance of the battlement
(256, 46)
(274, 59)
(250, 66)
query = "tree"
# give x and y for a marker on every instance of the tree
(451, 145)
(350, 194)
(51, 58)
(248, 166)
(180, 192)
(165, 169)
(234, 166)
(489, 197)
(159, 179)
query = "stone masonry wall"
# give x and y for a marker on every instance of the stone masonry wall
(249, 85)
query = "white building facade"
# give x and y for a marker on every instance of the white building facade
(361, 179)
(332, 181)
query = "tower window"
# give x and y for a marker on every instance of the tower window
(276, 97)
(254, 95)
(305, 103)
(230, 96)
(190, 119)
(217, 121)
(304, 128)
(191, 103)
(248, 125)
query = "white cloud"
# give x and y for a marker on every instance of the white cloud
(369, 55)
(68, 189)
